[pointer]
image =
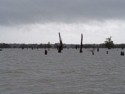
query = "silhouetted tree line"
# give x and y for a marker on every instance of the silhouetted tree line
(56, 45)
(4, 45)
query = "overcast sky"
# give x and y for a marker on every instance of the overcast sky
(39, 21)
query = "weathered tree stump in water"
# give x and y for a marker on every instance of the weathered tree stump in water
(81, 43)
(46, 52)
(122, 53)
(22, 48)
(97, 49)
(92, 52)
(60, 48)
(107, 52)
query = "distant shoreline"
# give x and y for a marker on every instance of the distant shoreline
(48, 45)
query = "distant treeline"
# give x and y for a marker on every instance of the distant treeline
(5, 45)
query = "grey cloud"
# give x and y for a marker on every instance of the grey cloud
(33, 11)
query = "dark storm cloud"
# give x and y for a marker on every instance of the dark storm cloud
(33, 11)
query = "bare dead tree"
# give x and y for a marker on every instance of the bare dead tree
(60, 44)
(81, 45)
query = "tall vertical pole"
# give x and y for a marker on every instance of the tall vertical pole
(81, 45)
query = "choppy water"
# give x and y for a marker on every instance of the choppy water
(31, 72)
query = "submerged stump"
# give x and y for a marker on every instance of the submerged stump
(45, 52)
(59, 50)
(92, 52)
(107, 52)
(122, 53)
(97, 49)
